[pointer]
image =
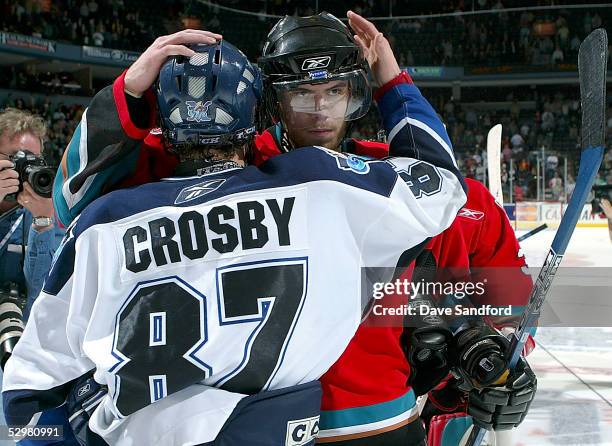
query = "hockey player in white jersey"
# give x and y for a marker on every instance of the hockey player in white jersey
(190, 296)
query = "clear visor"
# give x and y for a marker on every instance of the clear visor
(344, 97)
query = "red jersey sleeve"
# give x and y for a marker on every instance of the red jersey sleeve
(495, 255)
(128, 125)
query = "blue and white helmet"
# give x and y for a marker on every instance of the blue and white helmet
(209, 99)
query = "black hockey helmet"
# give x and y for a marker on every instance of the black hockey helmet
(314, 50)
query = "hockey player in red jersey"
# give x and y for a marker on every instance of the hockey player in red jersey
(368, 399)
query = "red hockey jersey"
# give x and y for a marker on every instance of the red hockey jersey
(366, 392)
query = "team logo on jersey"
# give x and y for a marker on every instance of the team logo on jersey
(350, 162)
(198, 111)
(471, 214)
(197, 190)
(316, 63)
(301, 432)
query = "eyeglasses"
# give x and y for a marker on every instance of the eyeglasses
(12, 152)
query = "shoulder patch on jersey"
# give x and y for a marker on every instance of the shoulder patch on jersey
(351, 162)
(301, 432)
(197, 190)
(471, 214)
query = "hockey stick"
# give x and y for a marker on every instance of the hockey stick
(592, 58)
(494, 162)
(532, 232)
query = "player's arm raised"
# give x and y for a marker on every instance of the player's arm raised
(106, 145)
(421, 149)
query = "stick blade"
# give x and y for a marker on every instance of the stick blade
(592, 59)
(494, 162)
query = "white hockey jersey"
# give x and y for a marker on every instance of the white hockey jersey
(186, 294)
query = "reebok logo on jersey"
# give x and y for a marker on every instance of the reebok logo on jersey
(300, 432)
(316, 63)
(83, 390)
(197, 190)
(471, 214)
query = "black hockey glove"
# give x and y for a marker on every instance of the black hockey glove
(426, 349)
(503, 408)
(497, 397)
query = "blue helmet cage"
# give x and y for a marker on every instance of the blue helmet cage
(209, 99)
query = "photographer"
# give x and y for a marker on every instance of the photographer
(606, 206)
(28, 234)
(601, 203)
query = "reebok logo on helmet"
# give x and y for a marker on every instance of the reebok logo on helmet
(316, 63)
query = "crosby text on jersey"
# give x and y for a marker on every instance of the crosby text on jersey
(222, 229)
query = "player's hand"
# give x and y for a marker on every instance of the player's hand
(607, 208)
(141, 75)
(9, 179)
(503, 408)
(37, 205)
(376, 49)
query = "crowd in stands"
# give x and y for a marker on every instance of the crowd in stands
(522, 142)
(538, 124)
(530, 37)
(541, 129)
(26, 79)
(130, 25)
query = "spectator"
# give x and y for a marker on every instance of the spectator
(556, 186)
(548, 121)
(98, 36)
(93, 7)
(84, 10)
(507, 153)
(596, 21)
(515, 109)
(563, 35)
(525, 130)
(569, 187)
(557, 56)
(552, 162)
(518, 193)
(471, 119)
(33, 225)
(517, 140)
(575, 44)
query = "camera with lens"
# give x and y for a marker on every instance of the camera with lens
(12, 304)
(34, 170)
(603, 191)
